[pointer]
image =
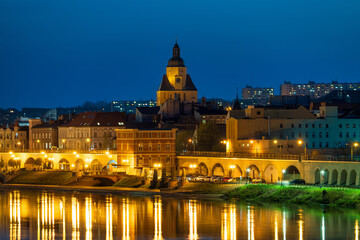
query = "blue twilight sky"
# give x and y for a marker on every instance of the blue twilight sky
(62, 53)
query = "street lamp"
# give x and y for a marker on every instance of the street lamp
(88, 141)
(193, 143)
(232, 167)
(322, 173)
(247, 175)
(352, 150)
(283, 175)
(300, 142)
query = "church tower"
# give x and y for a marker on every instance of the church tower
(176, 84)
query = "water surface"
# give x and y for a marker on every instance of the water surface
(64, 215)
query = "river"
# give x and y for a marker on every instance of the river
(37, 214)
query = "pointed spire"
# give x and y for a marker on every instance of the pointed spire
(236, 105)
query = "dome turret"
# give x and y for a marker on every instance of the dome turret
(176, 60)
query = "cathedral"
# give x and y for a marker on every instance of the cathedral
(176, 84)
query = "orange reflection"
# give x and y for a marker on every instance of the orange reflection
(46, 216)
(276, 233)
(75, 218)
(109, 219)
(62, 214)
(301, 225)
(356, 229)
(251, 223)
(88, 217)
(228, 226)
(125, 207)
(157, 218)
(192, 220)
(15, 218)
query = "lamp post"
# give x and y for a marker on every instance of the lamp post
(193, 143)
(232, 167)
(322, 173)
(300, 142)
(247, 175)
(283, 175)
(352, 150)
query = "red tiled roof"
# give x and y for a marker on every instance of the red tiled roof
(98, 119)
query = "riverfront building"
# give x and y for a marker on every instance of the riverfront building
(91, 131)
(261, 130)
(143, 148)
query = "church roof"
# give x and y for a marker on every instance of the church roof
(166, 85)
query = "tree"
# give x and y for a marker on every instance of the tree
(182, 140)
(208, 137)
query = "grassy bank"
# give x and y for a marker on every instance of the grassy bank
(129, 181)
(208, 187)
(349, 198)
(43, 178)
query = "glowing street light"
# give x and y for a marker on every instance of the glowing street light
(322, 173)
(352, 150)
(157, 165)
(247, 175)
(283, 175)
(300, 142)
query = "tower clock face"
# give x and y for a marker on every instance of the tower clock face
(178, 80)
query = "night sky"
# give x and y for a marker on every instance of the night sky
(62, 53)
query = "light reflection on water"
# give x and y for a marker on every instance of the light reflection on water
(57, 215)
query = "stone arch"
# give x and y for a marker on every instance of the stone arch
(64, 164)
(352, 178)
(271, 174)
(79, 164)
(334, 177)
(218, 170)
(317, 176)
(326, 176)
(253, 171)
(48, 164)
(95, 165)
(203, 169)
(29, 163)
(110, 165)
(343, 177)
(236, 172)
(291, 173)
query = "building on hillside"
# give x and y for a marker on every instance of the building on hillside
(204, 115)
(142, 148)
(91, 131)
(288, 126)
(45, 135)
(14, 137)
(177, 92)
(316, 90)
(130, 106)
(261, 95)
(147, 114)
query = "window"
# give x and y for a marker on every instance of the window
(95, 134)
(292, 125)
(320, 134)
(168, 147)
(299, 125)
(327, 144)
(140, 147)
(292, 135)
(149, 135)
(167, 159)
(327, 134)
(354, 125)
(313, 125)
(347, 125)
(354, 135)
(313, 144)
(150, 147)
(306, 134)
(320, 144)
(159, 147)
(327, 126)
(313, 135)
(306, 125)
(299, 134)
(347, 134)
(320, 125)
(340, 134)
(281, 126)
(340, 125)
